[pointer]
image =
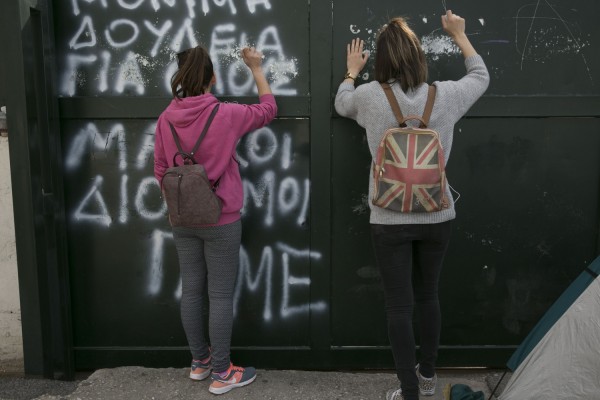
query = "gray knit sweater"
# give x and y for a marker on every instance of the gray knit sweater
(368, 105)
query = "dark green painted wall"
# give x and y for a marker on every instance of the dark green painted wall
(524, 161)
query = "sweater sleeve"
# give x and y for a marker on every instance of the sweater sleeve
(160, 159)
(345, 101)
(249, 117)
(469, 88)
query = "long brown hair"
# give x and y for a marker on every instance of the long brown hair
(399, 55)
(194, 74)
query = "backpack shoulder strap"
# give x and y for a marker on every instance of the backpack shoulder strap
(210, 120)
(176, 138)
(387, 89)
(429, 104)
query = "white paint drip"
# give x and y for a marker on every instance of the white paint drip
(124, 212)
(156, 275)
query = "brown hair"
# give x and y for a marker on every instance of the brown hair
(194, 74)
(399, 55)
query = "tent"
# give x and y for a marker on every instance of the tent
(560, 358)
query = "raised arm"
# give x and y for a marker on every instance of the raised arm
(356, 59)
(253, 59)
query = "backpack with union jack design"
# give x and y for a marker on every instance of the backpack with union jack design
(409, 169)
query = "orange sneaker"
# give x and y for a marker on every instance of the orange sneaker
(200, 370)
(232, 378)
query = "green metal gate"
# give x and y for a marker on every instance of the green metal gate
(525, 161)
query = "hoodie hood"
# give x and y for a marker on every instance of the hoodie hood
(183, 112)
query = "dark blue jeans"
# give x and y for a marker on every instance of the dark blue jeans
(410, 259)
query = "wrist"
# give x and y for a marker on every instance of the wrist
(350, 76)
(459, 37)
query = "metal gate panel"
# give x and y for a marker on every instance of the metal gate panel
(524, 160)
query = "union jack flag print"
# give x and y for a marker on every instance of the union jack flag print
(409, 171)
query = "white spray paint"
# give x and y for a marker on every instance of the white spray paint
(94, 195)
(86, 32)
(262, 280)
(156, 275)
(131, 34)
(281, 265)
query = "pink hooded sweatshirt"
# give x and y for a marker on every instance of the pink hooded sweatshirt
(217, 150)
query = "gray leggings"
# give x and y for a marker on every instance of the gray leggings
(208, 254)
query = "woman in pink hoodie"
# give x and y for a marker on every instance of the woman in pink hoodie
(211, 252)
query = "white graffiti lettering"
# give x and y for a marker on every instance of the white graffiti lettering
(225, 48)
(156, 263)
(86, 31)
(156, 4)
(186, 31)
(146, 152)
(101, 217)
(160, 34)
(262, 280)
(91, 136)
(103, 75)
(262, 141)
(219, 3)
(265, 271)
(130, 75)
(143, 189)
(263, 190)
(76, 9)
(261, 147)
(286, 309)
(253, 3)
(71, 77)
(124, 213)
(129, 6)
(114, 25)
(226, 42)
(280, 269)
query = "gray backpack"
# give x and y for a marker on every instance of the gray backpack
(190, 197)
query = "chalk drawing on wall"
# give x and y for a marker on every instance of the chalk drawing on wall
(548, 34)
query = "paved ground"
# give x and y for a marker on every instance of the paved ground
(136, 383)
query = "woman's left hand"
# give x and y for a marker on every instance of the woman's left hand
(356, 57)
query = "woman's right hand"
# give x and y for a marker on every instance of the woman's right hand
(252, 58)
(453, 24)
(455, 27)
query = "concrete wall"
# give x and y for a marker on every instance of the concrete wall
(11, 343)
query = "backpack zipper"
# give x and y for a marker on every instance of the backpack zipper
(179, 193)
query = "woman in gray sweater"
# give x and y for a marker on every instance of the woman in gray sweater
(410, 247)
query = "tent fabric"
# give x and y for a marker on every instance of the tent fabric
(561, 305)
(565, 362)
